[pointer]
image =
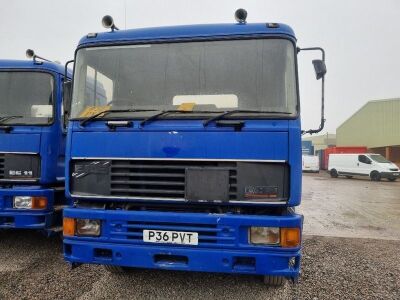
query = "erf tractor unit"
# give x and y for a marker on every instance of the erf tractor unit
(32, 144)
(191, 159)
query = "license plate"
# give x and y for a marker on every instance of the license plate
(396, 174)
(171, 237)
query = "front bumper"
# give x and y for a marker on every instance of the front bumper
(390, 175)
(224, 248)
(25, 218)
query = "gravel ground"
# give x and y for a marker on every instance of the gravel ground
(349, 262)
(333, 268)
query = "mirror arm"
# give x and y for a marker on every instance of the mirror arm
(66, 69)
(66, 111)
(322, 124)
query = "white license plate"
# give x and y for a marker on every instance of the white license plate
(171, 237)
(396, 174)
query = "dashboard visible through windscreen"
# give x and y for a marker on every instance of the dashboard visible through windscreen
(251, 74)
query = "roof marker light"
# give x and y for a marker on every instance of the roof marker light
(241, 15)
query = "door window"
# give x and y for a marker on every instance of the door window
(363, 159)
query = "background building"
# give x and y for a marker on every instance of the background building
(320, 142)
(376, 125)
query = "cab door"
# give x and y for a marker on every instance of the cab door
(364, 165)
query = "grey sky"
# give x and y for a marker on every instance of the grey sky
(361, 38)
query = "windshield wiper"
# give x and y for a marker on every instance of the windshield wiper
(165, 112)
(3, 119)
(237, 111)
(106, 112)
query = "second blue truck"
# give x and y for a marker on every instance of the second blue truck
(32, 145)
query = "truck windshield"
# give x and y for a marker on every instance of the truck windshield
(26, 98)
(210, 76)
(379, 158)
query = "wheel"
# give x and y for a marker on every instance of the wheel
(349, 177)
(274, 280)
(392, 179)
(334, 173)
(375, 176)
(116, 269)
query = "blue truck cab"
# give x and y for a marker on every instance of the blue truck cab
(32, 145)
(190, 157)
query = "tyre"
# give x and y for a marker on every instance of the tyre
(392, 179)
(375, 176)
(274, 280)
(334, 173)
(116, 269)
(349, 177)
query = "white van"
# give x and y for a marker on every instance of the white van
(367, 164)
(310, 163)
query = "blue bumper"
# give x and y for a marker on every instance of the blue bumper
(25, 218)
(223, 242)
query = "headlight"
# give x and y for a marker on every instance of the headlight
(284, 237)
(28, 202)
(24, 202)
(87, 227)
(264, 235)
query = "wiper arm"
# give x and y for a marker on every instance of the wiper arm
(237, 111)
(106, 112)
(3, 119)
(162, 113)
(165, 112)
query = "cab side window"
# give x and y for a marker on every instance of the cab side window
(363, 159)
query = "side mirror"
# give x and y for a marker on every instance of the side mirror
(320, 71)
(320, 68)
(67, 89)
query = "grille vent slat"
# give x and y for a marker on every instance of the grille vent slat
(161, 178)
(1, 165)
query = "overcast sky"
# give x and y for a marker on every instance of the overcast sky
(361, 38)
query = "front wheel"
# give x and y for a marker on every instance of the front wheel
(392, 179)
(375, 176)
(274, 280)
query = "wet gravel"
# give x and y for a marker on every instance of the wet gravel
(31, 267)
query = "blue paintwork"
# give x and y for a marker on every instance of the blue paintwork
(30, 65)
(188, 32)
(259, 139)
(213, 254)
(48, 141)
(262, 139)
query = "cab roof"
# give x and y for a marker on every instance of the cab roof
(188, 32)
(31, 65)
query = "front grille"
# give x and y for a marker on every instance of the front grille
(1, 165)
(193, 181)
(161, 179)
(19, 167)
(209, 234)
